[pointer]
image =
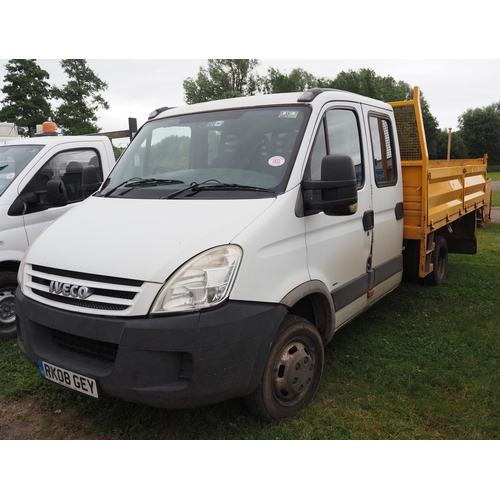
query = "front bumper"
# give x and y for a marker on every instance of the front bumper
(169, 361)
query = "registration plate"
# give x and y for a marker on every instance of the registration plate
(69, 379)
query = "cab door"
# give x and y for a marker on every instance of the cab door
(65, 165)
(387, 199)
(339, 247)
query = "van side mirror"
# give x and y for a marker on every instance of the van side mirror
(56, 193)
(336, 193)
(90, 180)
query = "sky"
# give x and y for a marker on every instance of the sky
(138, 86)
(451, 54)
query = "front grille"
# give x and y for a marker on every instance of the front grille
(107, 293)
(87, 276)
(105, 351)
(89, 304)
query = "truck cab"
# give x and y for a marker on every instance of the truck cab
(243, 233)
(41, 178)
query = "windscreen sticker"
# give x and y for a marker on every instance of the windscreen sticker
(288, 114)
(10, 176)
(215, 124)
(276, 161)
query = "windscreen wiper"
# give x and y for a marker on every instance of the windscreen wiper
(215, 185)
(138, 181)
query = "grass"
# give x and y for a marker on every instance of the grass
(495, 199)
(423, 363)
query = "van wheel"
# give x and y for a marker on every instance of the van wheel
(440, 262)
(8, 285)
(292, 373)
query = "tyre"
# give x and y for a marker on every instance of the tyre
(292, 372)
(440, 262)
(8, 285)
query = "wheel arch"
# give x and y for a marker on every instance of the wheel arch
(313, 302)
(9, 265)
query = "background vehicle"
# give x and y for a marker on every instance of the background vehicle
(41, 178)
(8, 131)
(244, 234)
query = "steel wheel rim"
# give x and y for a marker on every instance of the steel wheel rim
(294, 372)
(7, 313)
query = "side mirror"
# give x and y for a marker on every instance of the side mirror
(56, 193)
(90, 180)
(336, 193)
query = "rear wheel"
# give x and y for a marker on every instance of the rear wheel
(8, 285)
(439, 261)
(292, 373)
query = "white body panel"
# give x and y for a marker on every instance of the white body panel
(17, 232)
(149, 239)
(147, 249)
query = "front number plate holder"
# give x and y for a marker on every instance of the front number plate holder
(69, 379)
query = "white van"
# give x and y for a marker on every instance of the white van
(27, 168)
(230, 242)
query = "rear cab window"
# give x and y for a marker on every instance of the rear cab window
(382, 140)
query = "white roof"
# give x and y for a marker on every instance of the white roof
(271, 99)
(50, 139)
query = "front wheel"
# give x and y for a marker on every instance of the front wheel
(8, 285)
(292, 373)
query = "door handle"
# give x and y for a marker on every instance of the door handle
(368, 220)
(399, 211)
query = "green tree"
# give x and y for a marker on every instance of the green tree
(458, 147)
(366, 82)
(431, 127)
(385, 88)
(81, 98)
(480, 128)
(223, 78)
(297, 81)
(27, 93)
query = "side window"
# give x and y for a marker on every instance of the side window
(66, 166)
(338, 134)
(170, 150)
(318, 152)
(344, 138)
(214, 137)
(382, 145)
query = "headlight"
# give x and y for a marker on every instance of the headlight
(20, 272)
(204, 281)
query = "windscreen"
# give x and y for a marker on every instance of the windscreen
(232, 153)
(13, 160)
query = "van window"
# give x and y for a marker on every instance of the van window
(13, 160)
(66, 166)
(382, 146)
(233, 153)
(170, 149)
(339, 134)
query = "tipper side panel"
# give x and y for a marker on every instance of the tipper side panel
(456, 188)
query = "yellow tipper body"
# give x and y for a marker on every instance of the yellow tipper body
(436, 193)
